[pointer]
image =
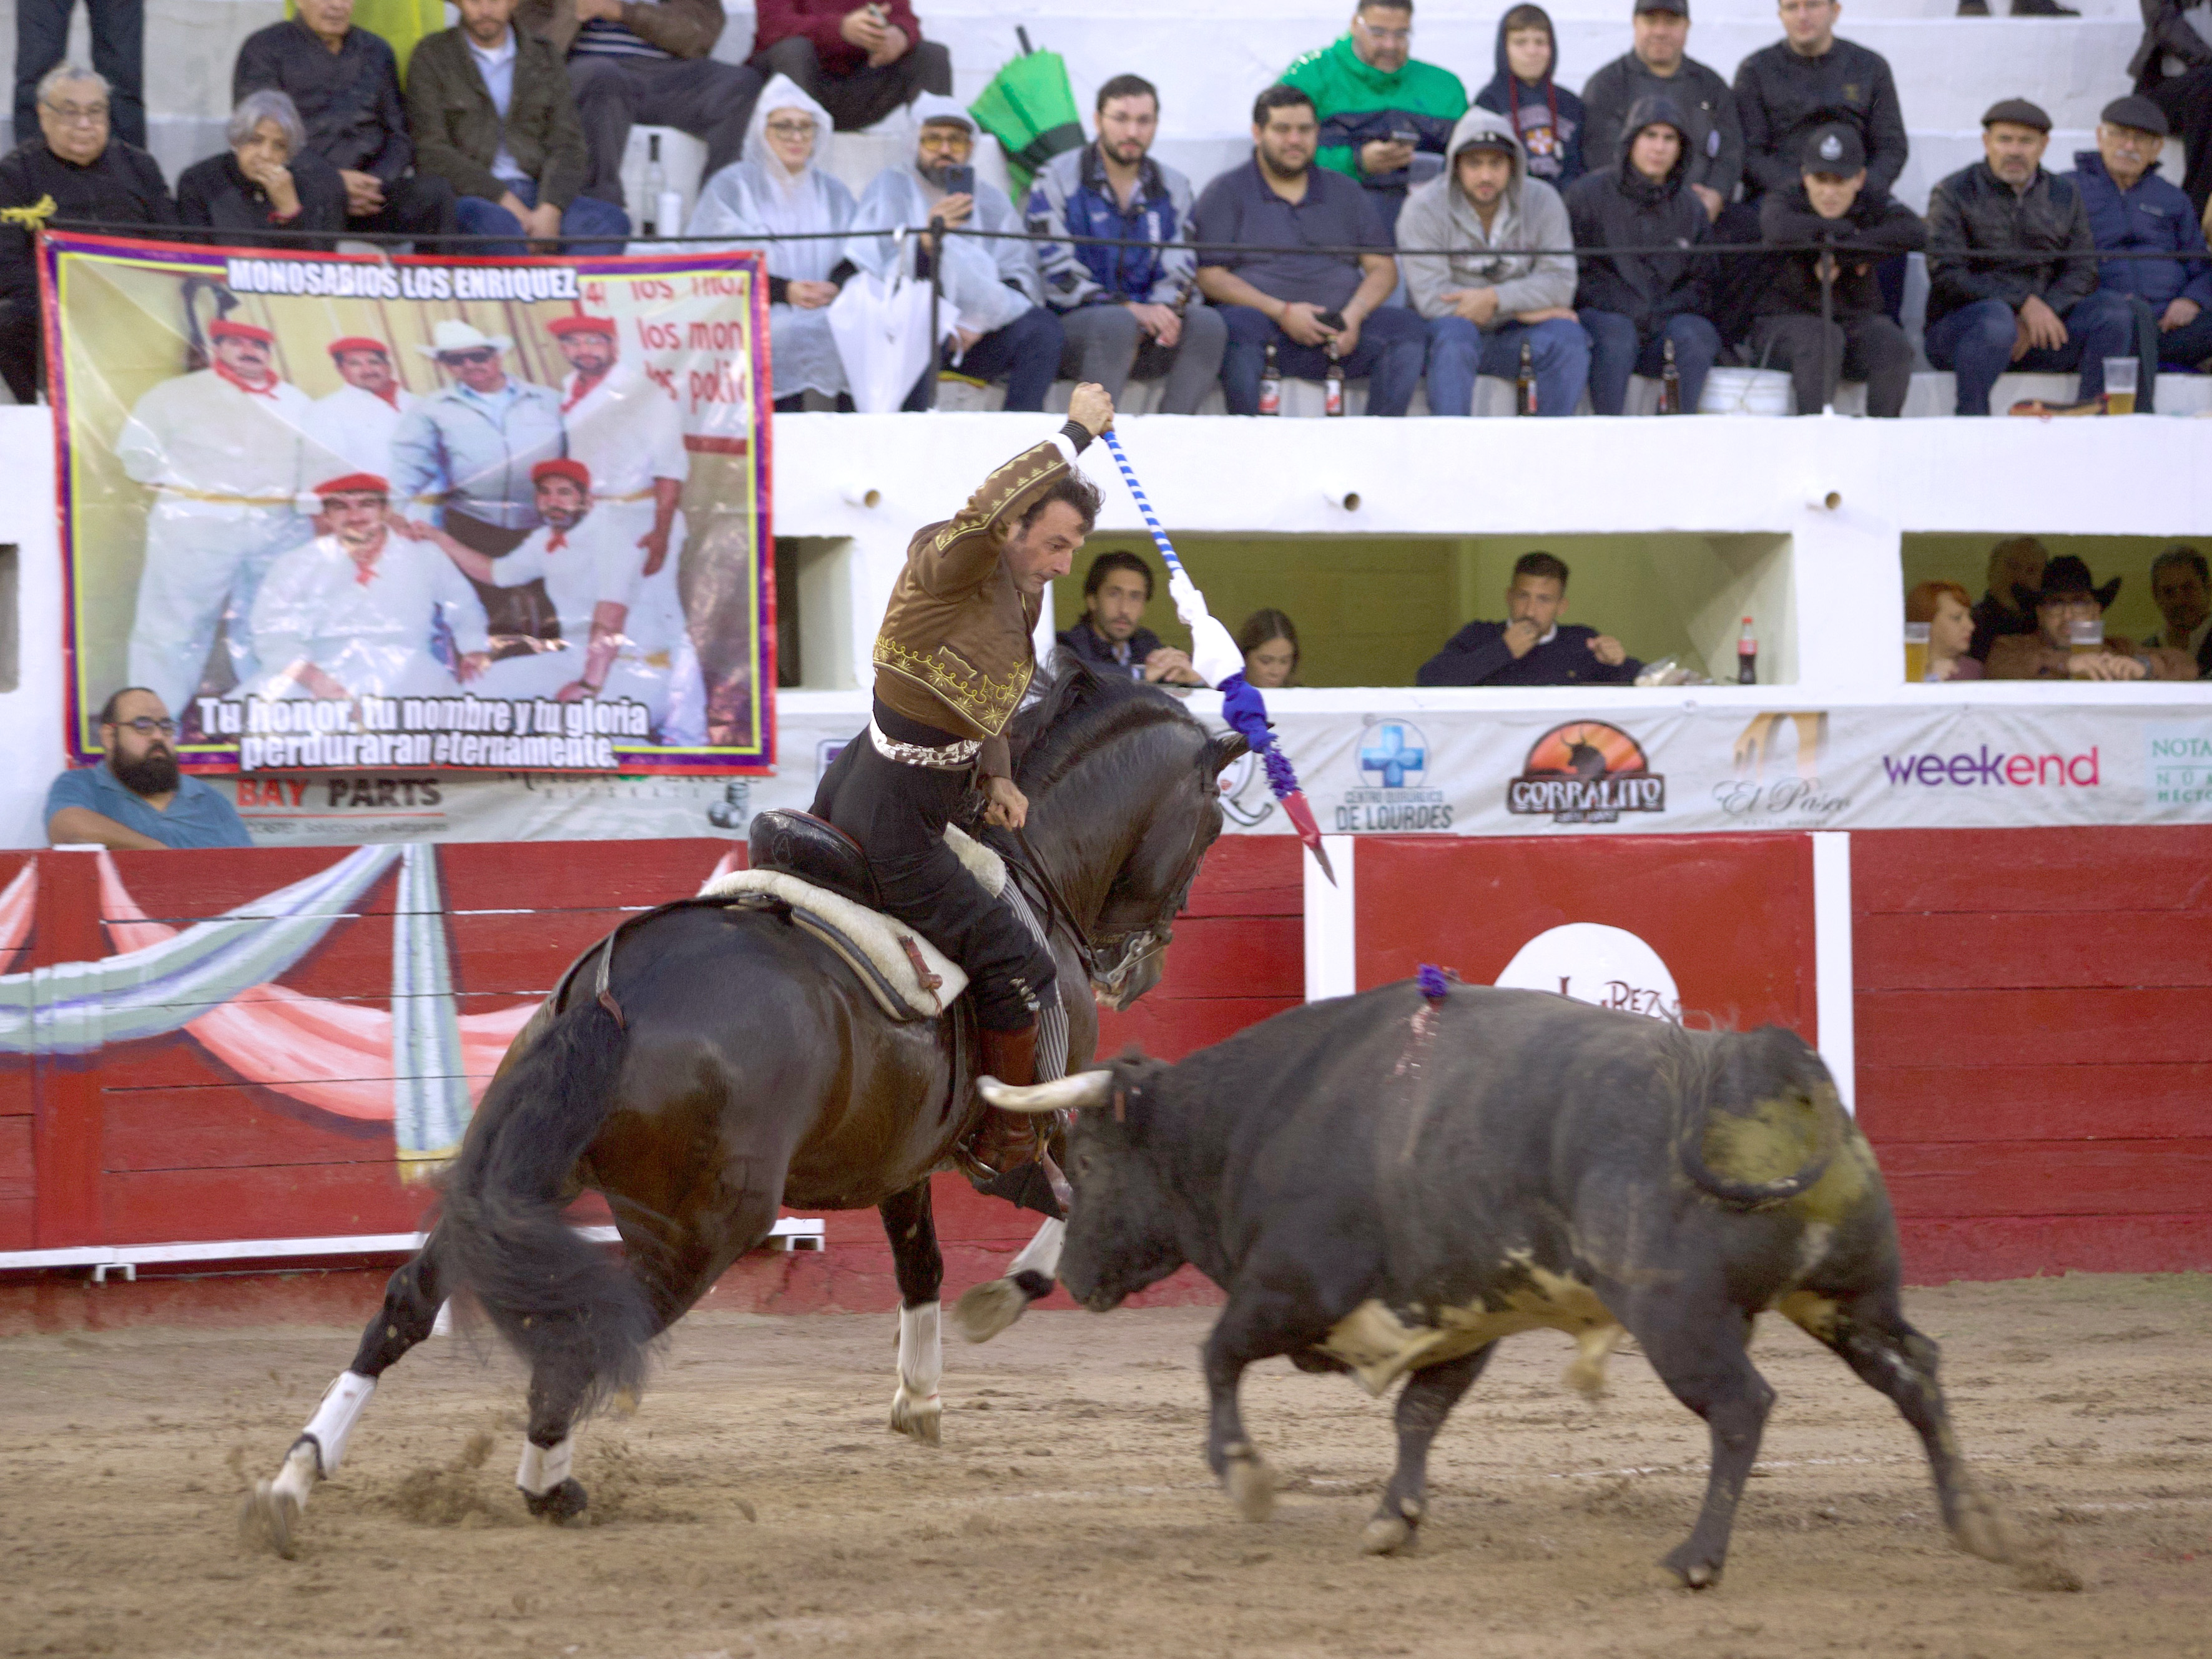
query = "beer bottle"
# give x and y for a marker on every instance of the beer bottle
(1524, 384)
(1670, 383)
(1746, 655)
(1332, 385)
(1271, 384)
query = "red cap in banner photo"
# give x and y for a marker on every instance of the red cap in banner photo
(357, 343)
(354, 483)
(224, 329)
(574, 472)
(582, 325)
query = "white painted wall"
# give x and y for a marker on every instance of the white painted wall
(31, 714)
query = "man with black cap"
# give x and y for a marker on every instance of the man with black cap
(1832, 202)
(1658, 63)
(2068, 599)
(2172, 67)
(2042, 315)
(2133, 211)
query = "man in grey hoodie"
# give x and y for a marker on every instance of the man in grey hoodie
(1465, 242)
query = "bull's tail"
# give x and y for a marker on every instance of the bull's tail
(565, 1304)
(1800, 1118)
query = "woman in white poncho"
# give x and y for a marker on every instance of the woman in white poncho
(779, 190)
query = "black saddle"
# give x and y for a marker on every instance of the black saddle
(813, 849)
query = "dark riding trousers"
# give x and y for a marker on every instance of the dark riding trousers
(897, 809)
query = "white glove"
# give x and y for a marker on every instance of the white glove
(1213, 652)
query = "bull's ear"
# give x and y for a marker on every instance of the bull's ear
(1223, 750)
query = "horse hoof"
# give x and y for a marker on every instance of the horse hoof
(1250, 1484)
(1691, 1574)
(561, 1505)
(988, 1309)
(272, 1516)
(1387, 1534)
(920, 1420)
(1982, 1529)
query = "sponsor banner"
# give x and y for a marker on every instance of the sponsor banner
(1678, 770)
(398, 518)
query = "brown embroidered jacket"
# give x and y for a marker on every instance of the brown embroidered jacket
(955, 649)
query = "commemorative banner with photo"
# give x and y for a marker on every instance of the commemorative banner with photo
(355, 514)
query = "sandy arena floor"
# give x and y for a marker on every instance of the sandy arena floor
(756, 1505)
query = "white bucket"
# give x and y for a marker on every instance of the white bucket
(1745, 391)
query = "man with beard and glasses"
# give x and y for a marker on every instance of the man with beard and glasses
(136, 799)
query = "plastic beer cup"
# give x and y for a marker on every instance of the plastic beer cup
(1916, 652)
(2120, 386)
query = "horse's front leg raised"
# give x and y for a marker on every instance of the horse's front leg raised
(916, 1409)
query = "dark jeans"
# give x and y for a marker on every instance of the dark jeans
(1024, 354)
(118, 51)
(1558, 353)
(898, 813)
(1392, 344)
(1105, 343)
(1975, 343)
(417, 206)
(2188, 346)
(1872, 348)
(711, 101)
(584, 219)
(19, 345)
(1617, 350)
(2187, 100)
(866, 95)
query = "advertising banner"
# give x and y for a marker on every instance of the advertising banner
(417, 515)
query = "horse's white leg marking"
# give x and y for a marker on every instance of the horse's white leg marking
(989, 1308)
(545, 1467)
(916, 1407)
(277, 1504)
(333, 1424)
(1042, 1253)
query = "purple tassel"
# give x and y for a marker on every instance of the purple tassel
(1436, 983)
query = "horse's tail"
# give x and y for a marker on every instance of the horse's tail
(564, 1304)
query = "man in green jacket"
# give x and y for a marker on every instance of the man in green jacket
(493, 116)
(1385, 118)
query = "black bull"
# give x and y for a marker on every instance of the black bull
(1386, 1185)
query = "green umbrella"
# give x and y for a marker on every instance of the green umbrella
(1029, 108)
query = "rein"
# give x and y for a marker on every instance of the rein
(1056, 905)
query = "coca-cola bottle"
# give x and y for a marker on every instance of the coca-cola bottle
(1746, 655)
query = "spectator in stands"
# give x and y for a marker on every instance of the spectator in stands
(1944, 608)
(269, 180)
(2132, 210)
(1379, 106)
(781, 189)
(1659, 63)
(1832, 202)
(136, 800)
(859, 62)
(1987, 315)
(646, 61)
(344, 82)
(1006, 330)
(1109, 635)
(493, 116)
(1547, 118)
(1269, 641)
(71, 168)
(2069, 595)
(1532, 647)
(2181, 588)
(1810, 79)
(1461, 242)
(2016, 566)
(1258, 220)
(118, 51)
(1126, 310)
(1632, 304)
(2173, 68)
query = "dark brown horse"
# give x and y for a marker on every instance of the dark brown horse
(749, 1069)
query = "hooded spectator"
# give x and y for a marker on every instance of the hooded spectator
(1460, 242)
(1126, 310)
(1378, 106)
(1807, 80)
(1832, 202)
(2173, 68)
(1658, 63)
(1005, 332)
(2068, 600)
(2133, 211)
(860, 62)
(781, 189)
(71, 168)
(1986, 316)
(1632, 304)
(344, 82)
(1547, 118)
(269, 180)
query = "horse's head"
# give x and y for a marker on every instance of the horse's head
(1126, 796)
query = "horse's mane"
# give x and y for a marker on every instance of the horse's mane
(1080, 712)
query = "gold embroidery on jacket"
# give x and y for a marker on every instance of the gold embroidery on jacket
(976, 697)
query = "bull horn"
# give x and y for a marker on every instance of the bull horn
(1083, 1089)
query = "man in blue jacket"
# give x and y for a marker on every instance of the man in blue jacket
(2133, 211)
(1532, 647)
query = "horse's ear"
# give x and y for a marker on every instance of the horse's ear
(1221, 751)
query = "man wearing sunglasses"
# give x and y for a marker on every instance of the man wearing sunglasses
(136, 799)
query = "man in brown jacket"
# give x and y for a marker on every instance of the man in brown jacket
(646, 60)
(952, 662)
(492, 115)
